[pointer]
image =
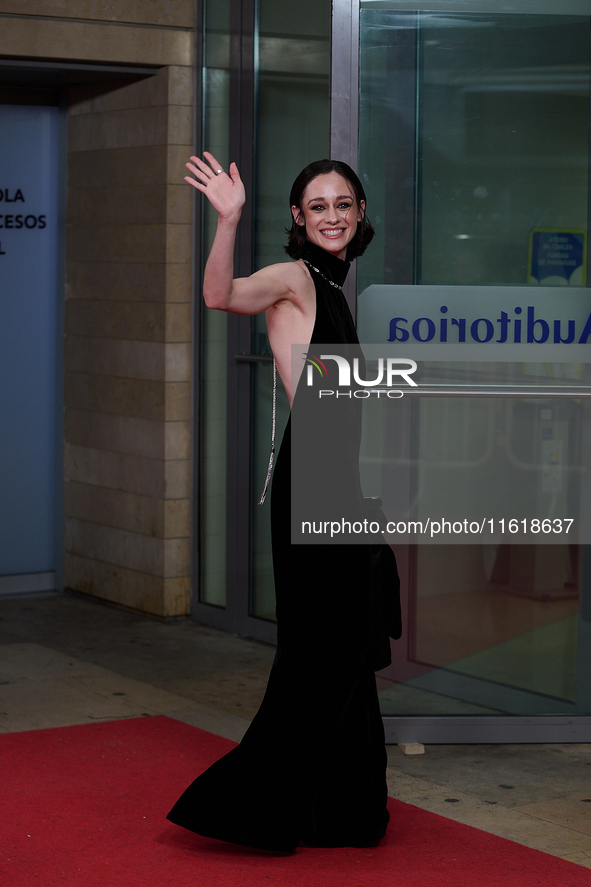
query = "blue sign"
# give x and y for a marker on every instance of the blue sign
(28, 338)
(557, 257)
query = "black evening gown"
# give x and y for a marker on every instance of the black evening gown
(311, 766)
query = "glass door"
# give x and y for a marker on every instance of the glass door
(292, 104)
(265, 101)
(474, 152)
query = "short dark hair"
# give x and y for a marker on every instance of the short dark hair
(296, 235)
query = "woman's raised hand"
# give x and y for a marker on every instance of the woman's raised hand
(224, 190)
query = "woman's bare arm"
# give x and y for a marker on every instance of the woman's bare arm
(242, 295)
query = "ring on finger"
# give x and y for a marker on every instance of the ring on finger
(218, 171)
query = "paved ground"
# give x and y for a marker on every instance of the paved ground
(66, 660)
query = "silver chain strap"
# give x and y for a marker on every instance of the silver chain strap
(273, 426)
(274, 420)
(323, 276)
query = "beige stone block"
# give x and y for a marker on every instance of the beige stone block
(148, 92)
(411, 748)
(128, 511)
(177, 479)
(179, 243)
(178, 322)
(121, 357)
(26, 661)
(120, 471)
(130, 128)
(177, 440)
(178, 401)
(177, 596)
(177, 518)
(213, 720)
(111, 545)
(582, 857)
(180, 14)
(493, 818)
(63, 701)
(177, 358)
(143, 321)
(128, 588)
(119, 434)
(179, 282)
(85, 41)
(570, 812)
(137, 398)
(145, 165)
(116, 281)
(177, 156)
(180, 124)
(177, 557)
(181, 85)
(117, 243)
(179, 205)
(35, 7)
(134, 205)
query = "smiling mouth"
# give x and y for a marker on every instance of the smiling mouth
(333, 232)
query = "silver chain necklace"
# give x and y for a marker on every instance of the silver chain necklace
(323, 276)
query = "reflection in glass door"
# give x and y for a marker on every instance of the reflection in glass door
(266, 105)
(473, 140)
(291, 131)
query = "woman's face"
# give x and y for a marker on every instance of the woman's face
(330, 213)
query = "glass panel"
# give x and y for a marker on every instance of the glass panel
(292, 130)
(503, 141)
(475, 156)
(212, 586)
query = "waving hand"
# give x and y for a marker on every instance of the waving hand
(224, 190)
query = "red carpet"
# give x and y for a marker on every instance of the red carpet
(85, 807)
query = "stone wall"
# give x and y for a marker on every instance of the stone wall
(128, 294)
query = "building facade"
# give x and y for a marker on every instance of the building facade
(122, 77)
(469, 126)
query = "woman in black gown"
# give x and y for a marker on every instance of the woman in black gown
(311, 767)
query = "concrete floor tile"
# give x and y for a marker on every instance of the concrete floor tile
(400, 699)
(573, 812)
(214, 721)
(510, 775)
(498, 820)
(33, 705)
(581, 858)
(238, 693)
(25, 661)
(87, 693)
(152, 700)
